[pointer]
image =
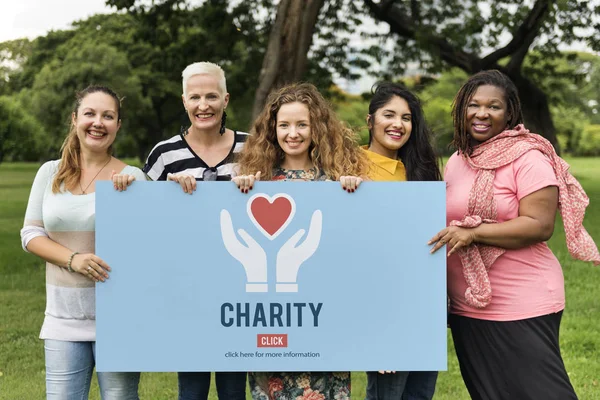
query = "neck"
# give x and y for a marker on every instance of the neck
(382, 151)
(297, 163)
(90, 159)
(205, 136)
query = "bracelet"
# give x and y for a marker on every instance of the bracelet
(70, 261)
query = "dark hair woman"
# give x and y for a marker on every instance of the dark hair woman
(506, 287)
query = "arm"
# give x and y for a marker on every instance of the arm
(57, 254)
(534, 224)
(35, 238)
(538, 201)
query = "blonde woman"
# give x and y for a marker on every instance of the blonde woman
(59, 228)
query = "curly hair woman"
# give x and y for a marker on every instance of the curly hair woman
(320, 147)
(298, 137)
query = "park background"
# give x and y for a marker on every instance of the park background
(549, 49)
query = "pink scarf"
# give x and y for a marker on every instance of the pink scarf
(494, 153)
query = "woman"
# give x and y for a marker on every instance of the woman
(59, 228)
(203, 152)
(506, 288)
(298, 137)
(399, 150)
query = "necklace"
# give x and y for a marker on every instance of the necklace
(93, 179)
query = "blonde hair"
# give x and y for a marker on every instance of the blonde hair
(333, 149)
(207, 68)
(69, 169)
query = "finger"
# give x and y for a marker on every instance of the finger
(454, 249)
(91, 272)
(185, 184)
(101, 263)
(293, 241)
(170, 177)
(120, 185)
(115, 180)
(359, 180)
(350, 184)
(249, 240)
(257, 176)
(236, 180)
(182, 184)
(112, 173)
(250, 182)
(226, 226)
(440, 243)
(314, 231)
(438, 236)
(130, 180)
(194, 183)
(343, 182)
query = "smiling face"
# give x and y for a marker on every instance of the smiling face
(293, 133)
(97, 121)
(486, 114)
(205, 102)
(391, 126)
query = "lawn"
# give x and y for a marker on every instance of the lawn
(22, 302)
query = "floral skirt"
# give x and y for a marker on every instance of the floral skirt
(300, 385)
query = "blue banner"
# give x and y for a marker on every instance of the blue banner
(293, 276)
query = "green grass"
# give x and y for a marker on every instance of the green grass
(22, 302)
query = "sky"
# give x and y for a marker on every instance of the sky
(32, 18)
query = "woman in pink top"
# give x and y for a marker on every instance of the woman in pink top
(506, 288)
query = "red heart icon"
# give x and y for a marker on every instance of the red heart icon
(271, 215)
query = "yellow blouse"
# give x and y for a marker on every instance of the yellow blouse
(383, 168)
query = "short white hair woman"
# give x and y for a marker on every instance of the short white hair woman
(203, 152)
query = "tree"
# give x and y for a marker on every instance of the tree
(455, 33)
(21, 136)
(470, 35)
(141, 54)
(286, 57)
(76, 66)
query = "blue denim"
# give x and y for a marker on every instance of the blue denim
(195, 385)
(418, 385)
(69, 368)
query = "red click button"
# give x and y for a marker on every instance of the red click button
(272, 340)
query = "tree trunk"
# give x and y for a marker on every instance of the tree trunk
(536, 110)
(287, 52)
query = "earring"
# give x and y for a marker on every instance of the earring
(223, 120)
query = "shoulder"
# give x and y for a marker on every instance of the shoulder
(455, 161)
(532, 157)
(49, 168)
(240, 139)
(172, 143)
(135, 171)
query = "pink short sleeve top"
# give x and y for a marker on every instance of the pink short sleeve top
(527, 282)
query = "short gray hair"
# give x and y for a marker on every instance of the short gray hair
(204, 68)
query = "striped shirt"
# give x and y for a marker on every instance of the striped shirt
(175, 155)
(69, 220)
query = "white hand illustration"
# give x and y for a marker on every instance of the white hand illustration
(252, 256)
(290, 257)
